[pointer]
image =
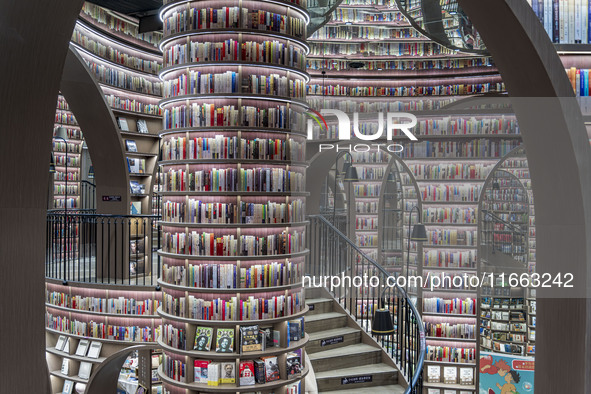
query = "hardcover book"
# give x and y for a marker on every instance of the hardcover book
(95, 349)
(228, 372)
(203, 336)
(225, 340)
(82, 347)
(466, 376)
(249, 339)
(200, 369)
(84, 371)
(433, 374)
(65, 366)
(142, 127)
(122, 122)
(294, 364)
(259, 371)
(271, 368)
(450, 375)
(213, 374)
(247, 373)
(130, 145)
(61, 343)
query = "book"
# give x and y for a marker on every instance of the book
(250, 339)
(213, 374)
(135, 208)
(293, 363)
(122, 122)
(433, 374)
(259, 371)
(95, 349)
(271, 368)
(61, 342)
(246, 373)
(65, 366)
(224, 340)
(228, 372)
(137, 188)
(82, 347)
(66, 348)
(294, 330)
(68, 387)
(84, 371)
(466, 376)
(130, 145)
(136, 166)
(433, 391)
(450, 375)
(203, 337)
(200, 369)
(142, 126)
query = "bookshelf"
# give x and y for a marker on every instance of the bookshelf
(126, 64)
(233, 201)
(82, 316)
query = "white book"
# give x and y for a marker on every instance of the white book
(585, 21)
(561, 11)
(123, 124)
(571, 21)
(61, 343)
(82, 348)
(65, 366)
(68, 387)
(577, 6)
(450, 375)
(466, 376)
(84, 371)
(433, 373)
(95, 349)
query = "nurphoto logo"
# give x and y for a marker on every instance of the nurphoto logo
(402, 121)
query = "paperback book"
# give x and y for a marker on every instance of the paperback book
(225, 340)
(203, 337)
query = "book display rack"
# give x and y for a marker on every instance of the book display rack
(233, 199)
(126, 64)
(86, 323)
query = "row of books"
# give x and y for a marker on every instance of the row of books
(205, 115)
(360, 32)
(450, 330)
(451, 354)
(477, 148)
(116, 54)
(142, 127)
(367, 240)
(62, 160)
(67, 118)
(413, 90)
(365, 223)
(112, 22)
(352, 104)
(119, 305)
(98, 330)
(132, 105)
(367, 190)
(356, 15)
(62, 103)
(448, 237)
(70, 176)
(462, 126)
(60, 146)
(444, 171)
(366, 206)
(338, 64)
(194, 19)
(262, 51)
(277, 180)
(210, 244)
(448, 258)
(451, 192)
(122, 79)
(455, 306)
(61, 189)
(376, 173)
(222, 147)
(450, 376)
(450, 215)
(196, 211)
(230, 276)
(70, 202)
(565, 21)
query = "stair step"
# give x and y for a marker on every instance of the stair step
(381, 374)
(324, 321)
(319, 305)
(345, 357)
(391, 389)
(350, 336)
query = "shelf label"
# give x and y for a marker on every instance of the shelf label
(311, 307)
(331, 341)
(356, 379)
(111, 198)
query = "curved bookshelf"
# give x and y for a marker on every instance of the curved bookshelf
(221, 116)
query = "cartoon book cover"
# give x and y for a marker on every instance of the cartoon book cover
(505, 374)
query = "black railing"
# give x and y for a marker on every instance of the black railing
(83, 246)
(360, 289)
(504, 236)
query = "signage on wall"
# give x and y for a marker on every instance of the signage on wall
(311, 307)
(111, 198)
(331, 341)
(356, 379)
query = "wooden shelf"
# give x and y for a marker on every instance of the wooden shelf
(101, 313)
(239, 290)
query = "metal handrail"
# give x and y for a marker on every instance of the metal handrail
(415, 381)
(499, 219)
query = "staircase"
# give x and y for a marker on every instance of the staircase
(345, 359)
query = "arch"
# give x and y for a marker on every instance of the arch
(104, 378)
(98, 125)
(552, 126)
(34, 40)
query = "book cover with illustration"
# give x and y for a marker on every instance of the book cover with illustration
(506, 374)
